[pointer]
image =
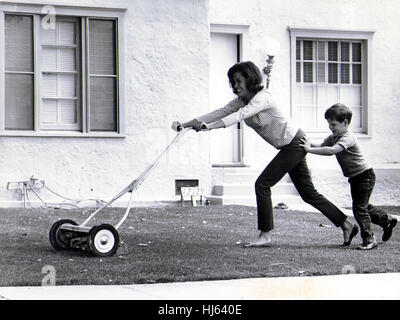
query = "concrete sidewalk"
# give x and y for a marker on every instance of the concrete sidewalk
(384, 286)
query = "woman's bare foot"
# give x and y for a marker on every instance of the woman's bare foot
(263, 240)
(350, 230)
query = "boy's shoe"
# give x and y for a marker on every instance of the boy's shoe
(387, 231)
(368, 246)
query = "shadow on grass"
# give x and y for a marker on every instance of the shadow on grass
(186, 244)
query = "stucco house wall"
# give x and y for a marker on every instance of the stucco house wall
(166, 77)
(269, 20)
(166, 72)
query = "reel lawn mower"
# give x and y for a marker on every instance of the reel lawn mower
(101, 240)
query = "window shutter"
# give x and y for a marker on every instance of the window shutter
(102, 71)
(102, 104)
(19, 43)
(19, 103)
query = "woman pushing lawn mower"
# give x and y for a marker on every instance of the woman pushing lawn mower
(255, 106)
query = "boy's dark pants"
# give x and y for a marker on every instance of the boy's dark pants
(361, 189)
(291, 159)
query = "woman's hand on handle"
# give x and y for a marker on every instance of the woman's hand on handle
(197, 125)
(204, 127)
(176, 126)
(194, 124)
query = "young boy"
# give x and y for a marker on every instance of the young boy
(344, 146)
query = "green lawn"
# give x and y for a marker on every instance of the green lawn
(186, 244)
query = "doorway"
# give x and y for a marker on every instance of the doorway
(226, 145)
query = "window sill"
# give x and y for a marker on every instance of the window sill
(63, 134)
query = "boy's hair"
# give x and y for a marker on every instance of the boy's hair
(251, 72)
(338, 112)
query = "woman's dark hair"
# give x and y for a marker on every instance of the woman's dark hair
(338, 112)
(252, 74)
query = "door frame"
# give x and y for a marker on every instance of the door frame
(241, 31)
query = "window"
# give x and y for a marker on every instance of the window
(61, 77)
(330, 67)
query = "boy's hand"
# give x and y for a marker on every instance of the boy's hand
(305, 143)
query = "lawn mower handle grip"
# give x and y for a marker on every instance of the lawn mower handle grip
(177, 126)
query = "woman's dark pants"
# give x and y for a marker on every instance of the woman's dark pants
(291, 159)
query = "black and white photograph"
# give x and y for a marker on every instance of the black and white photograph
(199, 154)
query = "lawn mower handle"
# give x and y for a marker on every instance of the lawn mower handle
(177, 126)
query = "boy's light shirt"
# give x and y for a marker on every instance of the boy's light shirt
(261, 114)
(350, 159)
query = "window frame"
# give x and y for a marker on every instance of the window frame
(84, 13)
(365, 37)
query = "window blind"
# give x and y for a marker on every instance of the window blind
(102, 74)
(19, 104)
(102, 104)
(19, 43)
(18, 101)
(60, 76)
